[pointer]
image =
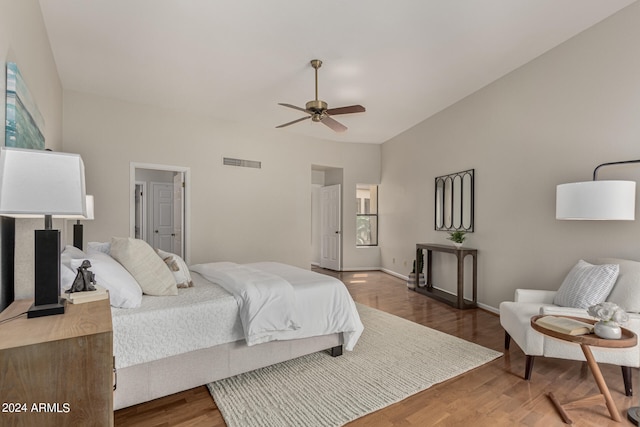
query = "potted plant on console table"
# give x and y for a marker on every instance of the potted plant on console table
(457, 237)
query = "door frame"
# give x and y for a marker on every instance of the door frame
(143, 204)
(186, 201)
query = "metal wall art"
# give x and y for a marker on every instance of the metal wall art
(454, 201)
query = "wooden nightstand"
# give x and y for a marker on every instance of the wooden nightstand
(57, 370)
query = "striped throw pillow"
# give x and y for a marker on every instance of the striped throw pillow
(586, 285)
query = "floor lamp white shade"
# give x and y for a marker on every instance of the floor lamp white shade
(596, 200)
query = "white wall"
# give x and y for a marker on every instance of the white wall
(238, 214)
(549, 122)
(23, 40)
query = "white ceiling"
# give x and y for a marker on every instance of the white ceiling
(236, 59)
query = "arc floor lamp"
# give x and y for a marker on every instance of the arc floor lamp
(599, 200)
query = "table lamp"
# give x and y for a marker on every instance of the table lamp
(77, 227)
(43, 183)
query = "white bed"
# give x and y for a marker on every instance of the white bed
(173, 343)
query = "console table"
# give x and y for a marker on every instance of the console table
(457, 300)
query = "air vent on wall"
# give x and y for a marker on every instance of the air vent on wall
(242, 163)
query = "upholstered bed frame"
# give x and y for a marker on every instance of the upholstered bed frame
(148, 381)
(144, 382)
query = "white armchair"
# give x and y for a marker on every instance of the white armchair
(515, 317)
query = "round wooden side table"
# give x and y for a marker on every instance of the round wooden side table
(628, 339)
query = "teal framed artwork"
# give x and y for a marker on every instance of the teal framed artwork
(24, 123)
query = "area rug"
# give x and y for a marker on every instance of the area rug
(393, 359)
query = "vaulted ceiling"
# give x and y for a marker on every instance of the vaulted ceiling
(236, 59)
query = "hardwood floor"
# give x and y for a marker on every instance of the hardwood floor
(494, 394)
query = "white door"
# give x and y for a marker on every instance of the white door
(162, 218)
(330, 230)
(178, 195)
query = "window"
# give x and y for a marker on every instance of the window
(366, 215)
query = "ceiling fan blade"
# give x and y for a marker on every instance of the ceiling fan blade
(294, 107)
(334, 125)
(346, 110)
(293, 122)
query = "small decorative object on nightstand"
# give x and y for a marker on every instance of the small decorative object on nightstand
(85, 279)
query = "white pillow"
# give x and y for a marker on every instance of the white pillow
(144, 264)
(104, 247)
(586, 285)
(124, 291)
(69, 253)
(178, 267)
(626, 290)
(74, 252)
(67, 276)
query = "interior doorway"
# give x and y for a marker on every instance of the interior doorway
(326, 217)
(159, 209)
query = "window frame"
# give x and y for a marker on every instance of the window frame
(369, 215)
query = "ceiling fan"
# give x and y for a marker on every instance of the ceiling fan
(318, 111)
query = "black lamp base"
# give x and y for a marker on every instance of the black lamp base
(47, 274)
(77, 235)
(633, 414)
(46, 309)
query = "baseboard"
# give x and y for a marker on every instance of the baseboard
(394, 274)
(488, 308)
(361, 269)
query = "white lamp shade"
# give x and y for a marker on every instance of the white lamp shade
(596, 200)
(41, 182)
(90, 212)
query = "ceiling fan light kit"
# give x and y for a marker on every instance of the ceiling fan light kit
(319, 110)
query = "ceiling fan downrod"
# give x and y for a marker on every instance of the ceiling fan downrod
(316, 105)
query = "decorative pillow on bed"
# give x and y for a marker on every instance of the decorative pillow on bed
(69, 253)
(586, 285)
(104, 247)
(73, 252)
(178, 267)
(67, 276)
(145, 266)
(124, 291)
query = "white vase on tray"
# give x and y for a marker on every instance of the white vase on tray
(608, 330)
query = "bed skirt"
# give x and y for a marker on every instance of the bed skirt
(147, 381)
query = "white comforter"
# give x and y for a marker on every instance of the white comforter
(280, 302)
(266, 302)
(207, 315)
